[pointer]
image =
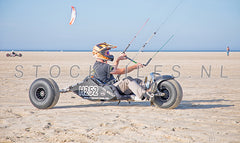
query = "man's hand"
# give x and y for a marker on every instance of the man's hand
(138, 65)
(122, 57)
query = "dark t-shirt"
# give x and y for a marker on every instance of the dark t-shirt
(102, 72)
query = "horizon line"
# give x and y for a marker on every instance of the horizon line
(121, 50)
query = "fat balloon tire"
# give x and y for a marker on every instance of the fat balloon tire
(173, 94)
(44, 93)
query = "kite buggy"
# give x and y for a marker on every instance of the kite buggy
(13, 54)
(44, 93)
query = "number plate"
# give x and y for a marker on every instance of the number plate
(88, 90)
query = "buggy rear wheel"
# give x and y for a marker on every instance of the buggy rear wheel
(44, 93)
(173, 94)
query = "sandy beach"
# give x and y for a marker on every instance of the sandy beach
(209, 111)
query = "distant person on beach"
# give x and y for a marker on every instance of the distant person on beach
(104, 73)
(13, 52)
(228, 50)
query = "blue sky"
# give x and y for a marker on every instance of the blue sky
(44, 24)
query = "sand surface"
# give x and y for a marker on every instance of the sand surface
(209, 112)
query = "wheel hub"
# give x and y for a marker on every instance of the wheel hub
(40, 93)
(165, 96)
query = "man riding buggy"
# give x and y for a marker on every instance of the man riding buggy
(104, 73)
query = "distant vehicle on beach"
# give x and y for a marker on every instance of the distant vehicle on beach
(13, 54)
